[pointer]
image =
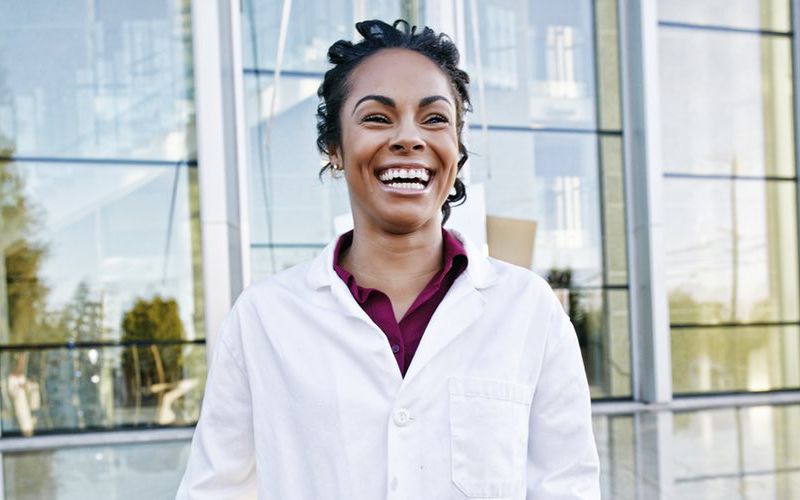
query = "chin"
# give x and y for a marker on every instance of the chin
(404, 223)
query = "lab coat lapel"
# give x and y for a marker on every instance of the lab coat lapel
(321, 275)
(461, 307)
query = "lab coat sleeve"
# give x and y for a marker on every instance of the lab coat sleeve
(221, 462)
(562, 455)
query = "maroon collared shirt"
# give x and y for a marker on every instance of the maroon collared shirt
(404, 337)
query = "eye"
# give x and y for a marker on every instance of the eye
(437, 118)
(375, 118)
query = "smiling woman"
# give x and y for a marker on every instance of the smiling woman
(402, 349)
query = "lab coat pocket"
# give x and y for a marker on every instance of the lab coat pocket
(488, 436)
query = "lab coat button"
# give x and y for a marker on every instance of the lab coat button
(402, 417)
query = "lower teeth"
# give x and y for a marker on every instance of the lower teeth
(407, 185)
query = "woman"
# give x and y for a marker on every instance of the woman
(323, 385)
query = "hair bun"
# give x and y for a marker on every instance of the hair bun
(339, 51)
(373, 29)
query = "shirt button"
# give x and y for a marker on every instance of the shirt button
(395, 348)
(401, 417)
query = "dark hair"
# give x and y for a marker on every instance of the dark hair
(378, 35)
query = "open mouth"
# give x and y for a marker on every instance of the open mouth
(414, 179)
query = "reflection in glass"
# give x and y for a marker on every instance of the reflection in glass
(615, 436)
(537, 61)
(731, 251)
(739, 358)
(66, 389)
(553, 179)
(726, 103)
(615, 236)
(134, 471)
(105, 80)
(738, 453)
(600, 318)
(313, 26)
(609, 107)
(724, 454)
(292, 211)
(771, 15)
(82, 242)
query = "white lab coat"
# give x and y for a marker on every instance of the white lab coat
(305, 401)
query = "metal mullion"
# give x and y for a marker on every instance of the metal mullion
(755, 324)
(794, 8)
(556, 130)
(728, 177)
(216, 39)
(100, 161)
(649, 312)
(97, 345)
(96, 438)
(723, 29)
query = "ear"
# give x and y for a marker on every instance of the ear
(335, 157)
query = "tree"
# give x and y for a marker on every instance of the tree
(149, 369)
(22, 258)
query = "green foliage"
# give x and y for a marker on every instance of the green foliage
(152, 320)
(22, 258)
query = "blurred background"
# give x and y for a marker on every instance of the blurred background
(158, 156)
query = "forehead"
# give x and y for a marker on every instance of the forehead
(396, 73)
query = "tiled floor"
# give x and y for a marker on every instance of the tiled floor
(729, 453)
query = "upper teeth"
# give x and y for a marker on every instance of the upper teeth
(405, 173)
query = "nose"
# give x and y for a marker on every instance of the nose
(407, 138)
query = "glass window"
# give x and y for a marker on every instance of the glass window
(313, 26)
(537, 63)
(731, 253)
(726, 103)
(292, 210)
(772, 15)
(63, 389)
(99, 236)
(551, 178)
(737, 452)
(105, 80)
(616, 446)
(101, 305)
(735, 358)
(730, 199)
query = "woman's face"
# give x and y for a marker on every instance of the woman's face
(399, 141)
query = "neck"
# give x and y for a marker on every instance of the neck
(394, 261)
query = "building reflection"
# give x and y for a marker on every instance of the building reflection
(730, 453)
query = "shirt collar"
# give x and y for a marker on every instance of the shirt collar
(321, 273)
(454, 256)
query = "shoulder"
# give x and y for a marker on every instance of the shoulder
(260, 300)
(518, 287)
(289, 279)
(513, 277)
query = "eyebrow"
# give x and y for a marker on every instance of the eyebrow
(388, 101)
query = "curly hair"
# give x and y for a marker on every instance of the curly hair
(378, 35)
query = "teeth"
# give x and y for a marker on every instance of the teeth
(407, 185)
(405, 173)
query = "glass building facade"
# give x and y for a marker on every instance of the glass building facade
(158, 156)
